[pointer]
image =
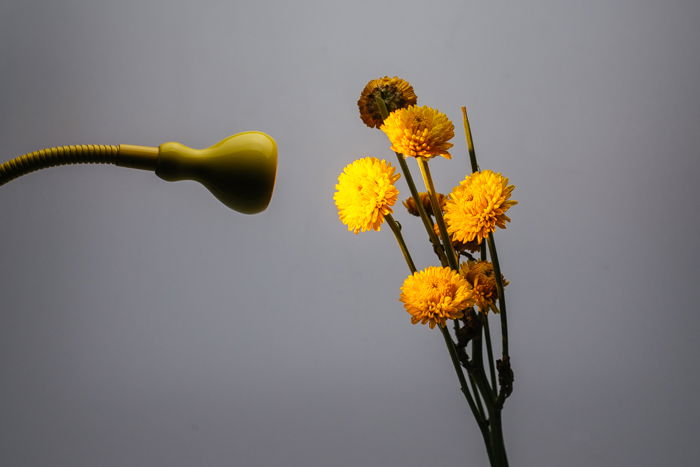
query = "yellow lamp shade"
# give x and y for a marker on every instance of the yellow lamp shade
(239, 170)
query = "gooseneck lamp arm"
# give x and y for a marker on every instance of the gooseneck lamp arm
(239, 170)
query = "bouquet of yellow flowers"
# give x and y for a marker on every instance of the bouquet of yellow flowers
(463, 291)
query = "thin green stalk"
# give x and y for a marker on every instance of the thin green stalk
(496, 430)
(460, 375)
(480, 420)
(477, 411)
(472, 159)
(399, 239)
(484, 388)
(414, 192)
(478, 358)
(489, 351)
(501, 294)
(437, 211)
(477, 350)
(470, 141)
(437, 247)
(498, 444)
(475, 386)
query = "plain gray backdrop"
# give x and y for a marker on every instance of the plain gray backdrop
(142, 323)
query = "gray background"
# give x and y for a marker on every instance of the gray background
(144, 324)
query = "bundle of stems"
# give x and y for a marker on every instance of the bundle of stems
(485, 393)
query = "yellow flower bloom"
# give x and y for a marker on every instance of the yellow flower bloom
(365, 193)
(419, 132)
(395, 92)
(478, 205)
(412, 208)
(435, 295)
(482, 278)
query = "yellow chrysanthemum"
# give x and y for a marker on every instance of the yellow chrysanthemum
(395, 92)
(435, 295)
(419, 132)
(365, 193)
(412, 208)
(482, 278)
(478, 205)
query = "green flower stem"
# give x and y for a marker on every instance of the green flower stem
(399, 238)
(482, 249)
(475, 387)
(480, 380)
(477, 411)
(498, 445)
(501, 294)
(485, 388)
(479, 395)
(437, 211)
(489, 350)
(460, 375)
(470, 141)
(472, 160)
(414, 192)
(480, 420)
(478, 359)
(437, 247)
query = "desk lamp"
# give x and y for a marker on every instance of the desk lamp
(239, 170)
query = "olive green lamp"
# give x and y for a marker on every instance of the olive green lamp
(239, 170)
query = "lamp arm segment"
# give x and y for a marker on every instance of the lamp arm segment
(239, 170)
(125, 155)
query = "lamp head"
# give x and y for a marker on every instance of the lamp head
(239, 170)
